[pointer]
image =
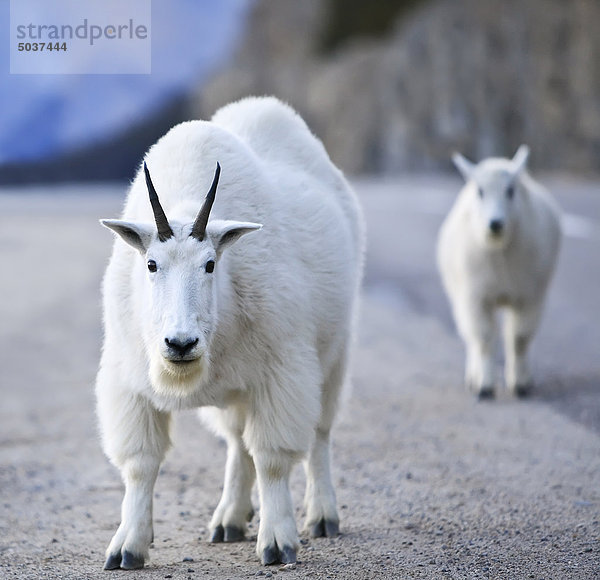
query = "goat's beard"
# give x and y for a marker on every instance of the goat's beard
(176, 380)
(496, 242)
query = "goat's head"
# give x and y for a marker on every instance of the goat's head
(495, 189)
(180, 262)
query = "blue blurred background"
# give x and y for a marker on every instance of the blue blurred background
(390, 86)
(60, 127)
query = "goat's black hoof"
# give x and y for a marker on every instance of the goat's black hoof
(486, 393)
(523, 390)
(288, 555)
(131, 561)
(273, 555)
(124, 561)
(218, 535)
(113, 562)
(233, 534)
(270, 555)
(324, 529)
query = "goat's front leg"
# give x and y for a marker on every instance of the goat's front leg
(278, 433)
(519, 328)
(136, 438)
(319, 500)
(277, 536)
(477, 325)
(128, 548)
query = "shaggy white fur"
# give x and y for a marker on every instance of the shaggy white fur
(262, 343)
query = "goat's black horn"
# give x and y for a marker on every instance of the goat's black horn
(162, 223)
(199, 228)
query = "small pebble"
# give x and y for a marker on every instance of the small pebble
(191, 570)
(188, 559)
(288, 567)
(268, 575)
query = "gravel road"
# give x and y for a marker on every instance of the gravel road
(431, 483)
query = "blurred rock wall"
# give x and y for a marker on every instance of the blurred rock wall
(477, 76)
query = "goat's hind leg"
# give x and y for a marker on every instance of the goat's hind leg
(234, 510)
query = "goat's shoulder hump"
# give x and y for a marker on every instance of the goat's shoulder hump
(271, 128)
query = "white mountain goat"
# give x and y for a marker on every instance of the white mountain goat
(256, 330)
(497, 248)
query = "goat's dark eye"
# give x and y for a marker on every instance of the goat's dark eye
(480, 191)
(510, 191)
(152, 265)
(210, 266)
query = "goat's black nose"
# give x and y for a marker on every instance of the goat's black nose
(496, 226)
(181, 347)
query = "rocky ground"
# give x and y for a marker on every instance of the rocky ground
(431, 484)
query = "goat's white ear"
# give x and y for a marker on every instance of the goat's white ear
(463, 165)
(520, 159)
(223, 233)
(135, 234)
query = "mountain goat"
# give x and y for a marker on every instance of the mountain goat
(256, 330)
(497, 248)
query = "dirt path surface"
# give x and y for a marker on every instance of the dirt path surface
(430, 483)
